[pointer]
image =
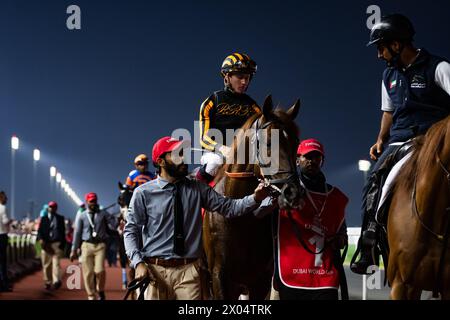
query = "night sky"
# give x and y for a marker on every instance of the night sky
(92, 99)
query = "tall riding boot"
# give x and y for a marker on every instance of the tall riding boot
(367, 244)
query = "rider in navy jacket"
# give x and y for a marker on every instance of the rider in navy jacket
(415, 95)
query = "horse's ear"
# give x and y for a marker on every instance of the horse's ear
(268, 106)
(121, 186)
(293, 111)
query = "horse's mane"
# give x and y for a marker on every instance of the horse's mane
(425, 149)
(278, 115)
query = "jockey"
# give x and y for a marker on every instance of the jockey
(226, 109)
(415, 94)
(141, 174)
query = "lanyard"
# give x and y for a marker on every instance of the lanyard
(94, 234)
(308, 194)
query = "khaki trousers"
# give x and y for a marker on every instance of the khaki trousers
(51, 263)
(178, 283)
(93, 266)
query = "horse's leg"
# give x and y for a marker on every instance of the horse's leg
(413, 293)
(212, 256)
(398, 291)
(133, 295)
(231, 289)
(261, 289)
(123, 261)
(216, 282)
(399, 288)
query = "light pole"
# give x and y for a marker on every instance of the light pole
(36, 158)
(52, 178)
(364, 166)
(14, 147)
(58, 181)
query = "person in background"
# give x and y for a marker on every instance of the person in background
(69, 238)
(52, 237)
(92, 227)
(4, 228)
(141, 174)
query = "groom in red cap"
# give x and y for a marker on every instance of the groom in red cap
(91, 233)
(163, 234)
(309, 238)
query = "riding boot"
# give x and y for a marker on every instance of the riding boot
(367, 244)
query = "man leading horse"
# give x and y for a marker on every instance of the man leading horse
(164, 226)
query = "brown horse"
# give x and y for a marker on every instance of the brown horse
(239, 251)
(419, 218)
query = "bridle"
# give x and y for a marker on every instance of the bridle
(292, 172)
(292, 177)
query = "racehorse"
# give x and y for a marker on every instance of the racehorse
(419, 219)
(239, 251)
(125, 195)
(124, 201)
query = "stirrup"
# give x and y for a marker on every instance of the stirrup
(367, 258)
(366, 250)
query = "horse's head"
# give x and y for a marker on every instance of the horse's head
(125, 195)
(275, 149)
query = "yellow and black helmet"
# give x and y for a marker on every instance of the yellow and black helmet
(238, 62)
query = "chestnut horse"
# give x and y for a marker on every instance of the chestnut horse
(239, 251)
(419, 219)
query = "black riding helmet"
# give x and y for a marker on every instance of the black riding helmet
(392, 27)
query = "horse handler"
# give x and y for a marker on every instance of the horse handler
(51, 235)
(308, 264)
(165, 216)
(91, 232)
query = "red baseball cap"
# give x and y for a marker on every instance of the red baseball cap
(53, 204)
(91, 196)
(165, 144)
(306, 146)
